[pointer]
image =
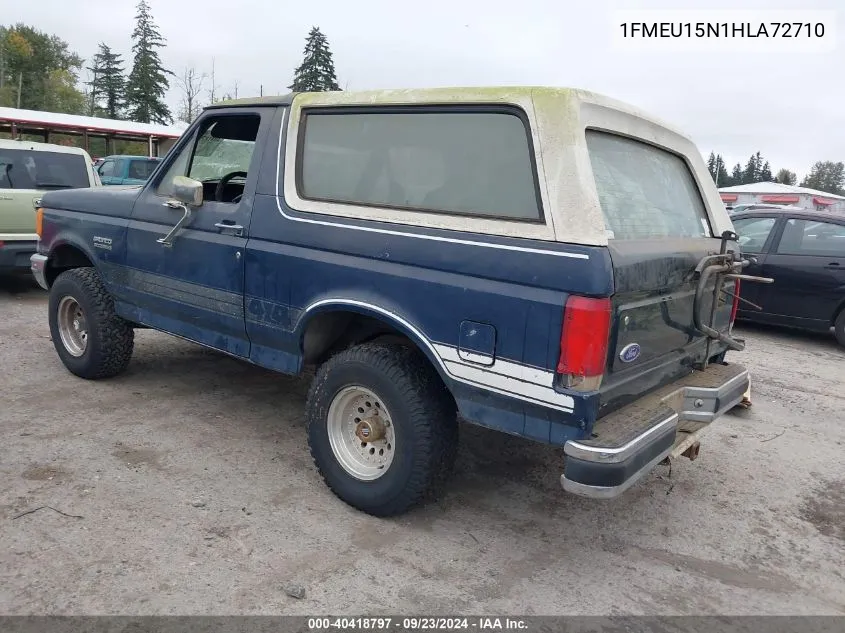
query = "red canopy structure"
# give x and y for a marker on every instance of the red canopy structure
(780, 199)
(158, 138)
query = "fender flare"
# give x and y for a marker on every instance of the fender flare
(414, 333)
(68, 239)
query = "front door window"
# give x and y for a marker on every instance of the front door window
(219, 156)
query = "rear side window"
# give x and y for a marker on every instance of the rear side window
(141, 169)
(645, 192)
(26, 169)
(811, 237)
(476, 163)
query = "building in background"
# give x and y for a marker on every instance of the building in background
(50, 126)
(776, 193)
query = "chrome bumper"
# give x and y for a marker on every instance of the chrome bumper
(38, 264)
(630, 442)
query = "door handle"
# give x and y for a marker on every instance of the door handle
(225, 224)
(833, 265)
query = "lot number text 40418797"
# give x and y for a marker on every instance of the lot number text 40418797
(417, 624)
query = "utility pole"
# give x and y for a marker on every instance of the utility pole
(93, 95)
(213, 95)
(20, 88)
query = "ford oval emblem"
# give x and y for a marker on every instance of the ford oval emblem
(630, 353)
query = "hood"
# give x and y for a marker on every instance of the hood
(116, 200)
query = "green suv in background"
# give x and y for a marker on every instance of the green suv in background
(126, 170)
(27, 170)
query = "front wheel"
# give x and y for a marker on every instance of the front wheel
(381, 427)
(839, 328)
(91, 340)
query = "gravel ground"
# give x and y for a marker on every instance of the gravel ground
(185, 487)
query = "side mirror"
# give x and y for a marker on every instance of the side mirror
(187, 191)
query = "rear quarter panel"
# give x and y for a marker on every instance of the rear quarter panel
(429, 283)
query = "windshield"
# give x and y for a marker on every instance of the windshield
(28, 169)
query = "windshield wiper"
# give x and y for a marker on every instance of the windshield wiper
(54, 185)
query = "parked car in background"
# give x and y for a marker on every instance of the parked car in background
(28, 170)
(804, 252)
(759, 206)
(126, 170)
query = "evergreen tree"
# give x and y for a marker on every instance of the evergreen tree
(93, 86)
(786, 177)
(826, 176)
(147, 83)
(765, 173)
(316, 73)
(716, 167)
(107, 86)
(752, 169)
(737, 176)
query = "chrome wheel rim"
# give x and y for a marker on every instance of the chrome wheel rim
(73, 326)
(361, 433)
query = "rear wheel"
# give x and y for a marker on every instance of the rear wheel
(91, 340)
(839, 328)
(381, 427)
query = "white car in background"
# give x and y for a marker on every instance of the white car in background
(27, 171)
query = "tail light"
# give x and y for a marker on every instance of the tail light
(39, 221)
(735, 305)
(583, 342)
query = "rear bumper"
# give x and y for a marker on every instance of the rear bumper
(14, 256)
(630, 442)
(37, 264)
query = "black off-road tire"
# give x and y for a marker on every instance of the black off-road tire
(424, 419)
(839, 328)
(111, 339)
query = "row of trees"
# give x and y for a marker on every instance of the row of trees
(826, 176)
(38, 71)
(140, 95)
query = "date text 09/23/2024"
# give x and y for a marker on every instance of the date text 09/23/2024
(417, 624)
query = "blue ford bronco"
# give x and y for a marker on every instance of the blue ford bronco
(544, 262)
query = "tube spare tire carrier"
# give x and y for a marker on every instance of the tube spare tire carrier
(724, 266)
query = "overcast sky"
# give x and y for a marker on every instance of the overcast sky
(788, 105)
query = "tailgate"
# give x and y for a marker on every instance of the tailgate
(655, 284)
(17, 212)
(659, 231)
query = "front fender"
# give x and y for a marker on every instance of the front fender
(66, 239)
